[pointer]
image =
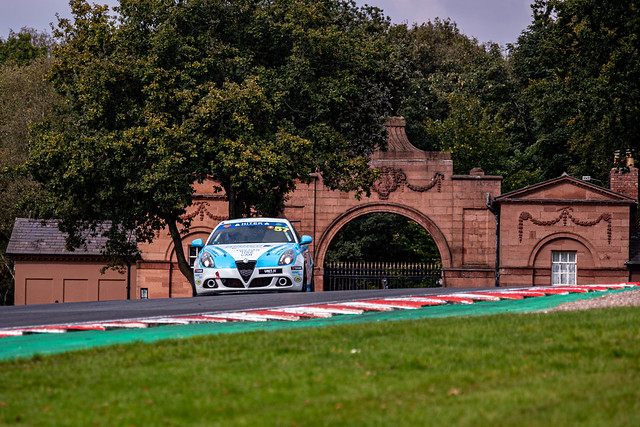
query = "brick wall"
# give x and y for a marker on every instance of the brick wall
(625, 181)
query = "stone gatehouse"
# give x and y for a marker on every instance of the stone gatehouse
(532, 236)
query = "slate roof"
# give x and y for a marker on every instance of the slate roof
(38, 237)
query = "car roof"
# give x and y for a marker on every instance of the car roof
(233, 221)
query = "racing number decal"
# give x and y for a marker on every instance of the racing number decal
(284, 229)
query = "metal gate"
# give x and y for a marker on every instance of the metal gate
(343, 276)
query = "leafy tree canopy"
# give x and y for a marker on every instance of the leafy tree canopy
(23, 47)
(580, 64)
(439, 61)
(253, 93)
(461, 96)
(471, 135)
(25, 99)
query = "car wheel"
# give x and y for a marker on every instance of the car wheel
(304, 282)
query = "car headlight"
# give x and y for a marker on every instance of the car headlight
(287, 257)
(206, 260)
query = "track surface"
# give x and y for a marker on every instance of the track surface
(69, 313)
(48, 329)
(52, 318)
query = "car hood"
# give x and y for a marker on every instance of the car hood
(266, 254)
(252, 251)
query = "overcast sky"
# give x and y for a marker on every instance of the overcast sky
(500, 21)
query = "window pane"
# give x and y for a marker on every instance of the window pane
(563, 268)
(193, 255)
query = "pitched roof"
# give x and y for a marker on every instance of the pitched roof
(40, 237)
(564, 188)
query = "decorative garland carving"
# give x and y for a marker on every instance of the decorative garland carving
(565, 215)
(392, 178)
(201, 209)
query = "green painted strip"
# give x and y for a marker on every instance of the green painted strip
(41, 344)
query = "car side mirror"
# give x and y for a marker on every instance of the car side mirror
(198, 243)
(305, 240)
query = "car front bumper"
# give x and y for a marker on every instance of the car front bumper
(216, 280)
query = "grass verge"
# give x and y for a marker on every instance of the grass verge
(567, 367)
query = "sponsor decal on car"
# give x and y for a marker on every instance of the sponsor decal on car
(241, 249)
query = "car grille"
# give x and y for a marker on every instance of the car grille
(245, 269)
(260, 282)
(232, 283)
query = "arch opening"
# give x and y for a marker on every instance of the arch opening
(381, 249)
(563, 259)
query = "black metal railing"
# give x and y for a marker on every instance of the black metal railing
(343, 276)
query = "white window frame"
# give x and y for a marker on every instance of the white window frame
(564, 267)
(192, 254)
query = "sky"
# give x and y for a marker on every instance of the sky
(499, 21)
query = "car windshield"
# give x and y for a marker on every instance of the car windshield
(252, 232)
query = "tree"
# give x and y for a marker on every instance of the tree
(462, 96)
(25, 99)
(472, 136)
(438, 62)
(254, 93)
(581, 66)
(25, 46)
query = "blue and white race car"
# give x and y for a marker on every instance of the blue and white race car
(253, 254)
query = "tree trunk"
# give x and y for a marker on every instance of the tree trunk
(237, 207)
(231, 200)
(183, 264)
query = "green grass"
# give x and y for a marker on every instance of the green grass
(579, 368)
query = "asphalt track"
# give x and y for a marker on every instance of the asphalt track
(26, 331)
(51, 314)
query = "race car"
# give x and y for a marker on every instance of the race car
(253, 254)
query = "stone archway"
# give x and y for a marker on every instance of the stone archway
(417, 184)
(558, 239)
(325, 240)
(194, 233)
(421, 186)
(540, 263)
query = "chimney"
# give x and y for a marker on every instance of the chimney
(625, 179)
